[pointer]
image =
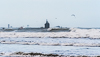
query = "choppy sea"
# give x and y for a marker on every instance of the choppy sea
(47, 49)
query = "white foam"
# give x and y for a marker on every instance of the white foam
(54, 43)
(74, 33)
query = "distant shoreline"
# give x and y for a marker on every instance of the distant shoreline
(34, 29)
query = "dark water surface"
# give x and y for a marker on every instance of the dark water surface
(36, 30)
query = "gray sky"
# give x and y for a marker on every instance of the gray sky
(58, 12)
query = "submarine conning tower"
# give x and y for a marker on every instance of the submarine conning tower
(47, 25)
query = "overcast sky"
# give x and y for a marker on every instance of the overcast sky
(58, 12)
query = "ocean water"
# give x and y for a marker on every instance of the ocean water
(61, 50)
(52, 40)
(47, 49)
(62, 46)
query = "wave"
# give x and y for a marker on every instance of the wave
(52, 33)
(52, 41)
(46, 30)
(54, 44)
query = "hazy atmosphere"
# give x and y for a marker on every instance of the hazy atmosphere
(58, 12)
(49, 28)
